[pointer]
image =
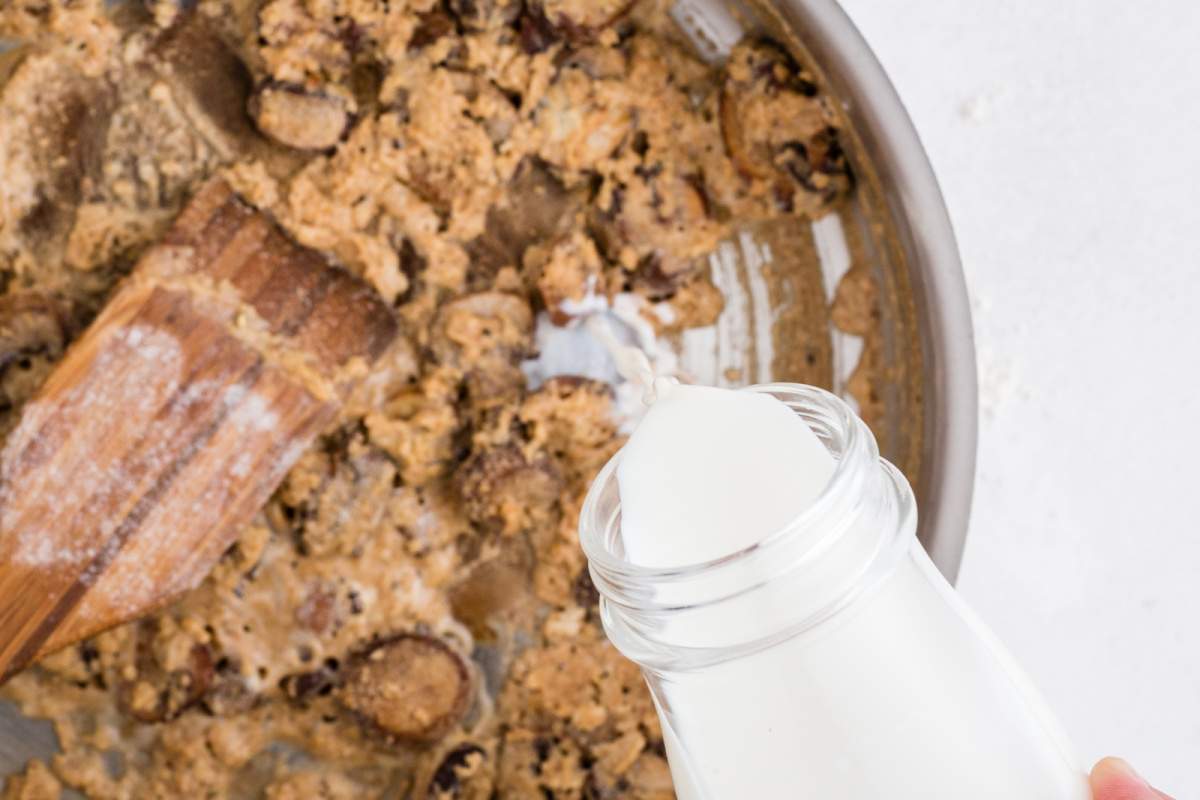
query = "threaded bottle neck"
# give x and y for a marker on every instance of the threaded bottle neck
(790, 582)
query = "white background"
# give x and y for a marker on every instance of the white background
(1066, 137)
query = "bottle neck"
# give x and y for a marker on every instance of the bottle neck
(792, 582)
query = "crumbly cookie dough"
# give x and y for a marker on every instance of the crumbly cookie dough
(410, 616)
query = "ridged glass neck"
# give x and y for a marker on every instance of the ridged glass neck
(787, 584)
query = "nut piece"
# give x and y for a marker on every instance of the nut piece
(412, 688)
(299, 118)
(503, 490)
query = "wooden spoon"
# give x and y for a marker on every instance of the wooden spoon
(171, 420)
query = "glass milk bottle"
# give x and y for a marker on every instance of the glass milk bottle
(830, 660)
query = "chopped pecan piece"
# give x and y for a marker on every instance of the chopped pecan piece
(299, 118)
(411, 688)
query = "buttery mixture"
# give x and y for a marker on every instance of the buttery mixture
(410, 616)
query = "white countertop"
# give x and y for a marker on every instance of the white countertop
(1066, 136)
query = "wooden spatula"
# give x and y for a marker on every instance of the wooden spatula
(171, 420)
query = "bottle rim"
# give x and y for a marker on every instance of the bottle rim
(864, 490)
(836, 424)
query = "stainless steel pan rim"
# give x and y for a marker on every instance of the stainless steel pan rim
(923, 228)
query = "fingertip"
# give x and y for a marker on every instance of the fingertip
(1116, 779)
(1111, 768)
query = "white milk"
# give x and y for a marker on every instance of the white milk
(831, 661)
(771, 467)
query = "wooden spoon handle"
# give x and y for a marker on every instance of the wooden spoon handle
(170, 422)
